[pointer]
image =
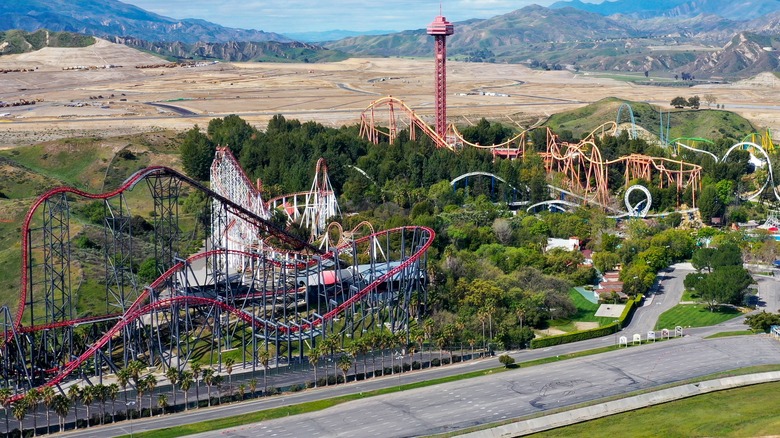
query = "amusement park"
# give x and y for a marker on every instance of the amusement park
(303, 257)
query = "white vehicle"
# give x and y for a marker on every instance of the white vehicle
(5, 114)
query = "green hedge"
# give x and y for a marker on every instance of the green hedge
(582, 335)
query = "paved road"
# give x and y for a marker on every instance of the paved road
(666, 295)
(457, 405)
(612, 373)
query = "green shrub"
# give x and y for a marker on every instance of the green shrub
(582, 335)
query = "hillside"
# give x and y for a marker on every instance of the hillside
(569, 38)
(106, 18)
(268, 51)
(702, 123)
(100, 53)
(17, 41)
(733, 10)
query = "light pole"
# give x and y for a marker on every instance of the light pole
(130, 404)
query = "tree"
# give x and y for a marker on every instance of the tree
(101, 394)
(173, 375)
(208, 379)
(5, 400)
(162, 402)
(710, 100)
(314, 357)
(710, 204)
(197, 153)
(218, 381)
(112, 391)
(196, 373)
(150, 382)
(506, 360)
(345, 363)
(20, 411)
(74, 394)
(725, 285)
(61, 406)
(605, 261)
(229, 362)
(47, 395)
(123, 377)
(702, 258)
(32, 399)
(253, 386)
(694, 102)
(241, 391)
(762, 321)
(185, 382)
(87, 398)
(679, 101)
(265, 358)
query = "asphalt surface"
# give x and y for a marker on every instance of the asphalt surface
(507, 395)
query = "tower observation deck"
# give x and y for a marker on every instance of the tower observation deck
(441, 29)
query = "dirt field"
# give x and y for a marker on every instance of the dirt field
(106, 102)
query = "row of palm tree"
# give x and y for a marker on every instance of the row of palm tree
(344, 356)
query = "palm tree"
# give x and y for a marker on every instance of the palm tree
(87, 397)
(363, 347)
(253, 386)
(208, 379)
(331, 344)
(123, 376)
(196, 370)
(345, 363)
(173, 375)
(217, 381)
(101, 394)
(441, 342)
(315, 354)
(419, 337)
(162, 402)
(112, 391)
(265, 358)
(32, 398)
(185, 383)
(352, 350)
(47, 395)
(229, 362)
(20, 411)
(140, 389)
(74, 394)
(241, 391)
(151, 383)
(5, 400)
(61, 406)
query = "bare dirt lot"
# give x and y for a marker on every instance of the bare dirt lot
(113, 101)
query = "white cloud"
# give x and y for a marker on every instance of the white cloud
(307, 15)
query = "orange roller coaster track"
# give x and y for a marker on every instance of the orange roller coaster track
(581, 163)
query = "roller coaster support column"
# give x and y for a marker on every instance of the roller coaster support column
(441, 29)
(165, 192)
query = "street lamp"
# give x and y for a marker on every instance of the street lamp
(130, 418)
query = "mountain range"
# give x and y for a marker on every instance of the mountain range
(730, 9)
(108, 18)
(703, 38)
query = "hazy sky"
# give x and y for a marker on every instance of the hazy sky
(283, 16)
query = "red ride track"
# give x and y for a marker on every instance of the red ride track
(127, 185)
(135, 311)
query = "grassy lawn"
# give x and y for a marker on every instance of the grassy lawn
(690, 295)
(585, 313)
(732, 413)
(732, 333)
(695, 315)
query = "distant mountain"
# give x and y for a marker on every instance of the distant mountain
(501, 35)
(332, 35)
(19, 41)
(107, 18)
(569, 38)
(747, 54)
(261, 51)
(738, 10)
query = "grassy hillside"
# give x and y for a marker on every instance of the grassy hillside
(91, 164)
(703, 123)
(19, 41)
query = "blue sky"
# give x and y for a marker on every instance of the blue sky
(289, 16)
